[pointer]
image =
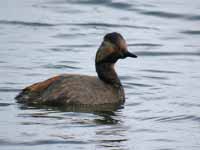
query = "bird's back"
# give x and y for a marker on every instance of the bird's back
(72, 89)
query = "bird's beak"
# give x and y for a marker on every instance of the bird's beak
(129, 54)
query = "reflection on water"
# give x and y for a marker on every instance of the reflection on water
(107, 130)
(40, 39)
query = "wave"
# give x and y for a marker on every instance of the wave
(4, 89)
(4, 104)
(178, 118)
(107, 3)
(24, 23)
(160, 71)
(145, 45)
(168, 15)
(95, 24)
(90, 24)
(151, 53)
(191, 32)
(60, 67)
(4, 142)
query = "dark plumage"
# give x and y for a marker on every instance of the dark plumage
(71, 89)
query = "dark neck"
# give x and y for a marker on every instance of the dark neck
(106, 72)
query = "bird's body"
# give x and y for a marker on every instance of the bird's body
(71, 89)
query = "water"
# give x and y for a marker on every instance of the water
(42, 38)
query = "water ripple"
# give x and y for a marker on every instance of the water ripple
(146, 130)
(4, 104)
(156, 78)
(127, 78)
(95, 24)
(51, 66)
(69, 62)
(40, 115)
(108, 3)
(113, 140)
(5, 89)
(191, 32)
(77, 45)
(163, 140)
(63, 49)
(179, 118)
(24, 23)
(89, 24)
(134, 104)
(184, 104)
(153, 53)
(161, 14)
(145, 45)
(40, 142)
(168, 15)
(194, 18)
(2, 62)
(166, 149)
(160, 71)
(138, 84)
(63, 36)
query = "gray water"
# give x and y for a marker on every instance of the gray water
(43, 38)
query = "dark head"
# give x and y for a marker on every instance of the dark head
(113, 47)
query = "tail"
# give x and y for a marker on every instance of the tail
(23, 96)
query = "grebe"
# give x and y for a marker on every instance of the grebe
(74, 89)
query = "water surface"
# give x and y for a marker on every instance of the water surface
(40, 39)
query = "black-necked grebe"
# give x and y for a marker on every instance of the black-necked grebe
(72, 89)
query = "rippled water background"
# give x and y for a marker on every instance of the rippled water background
(42, 38)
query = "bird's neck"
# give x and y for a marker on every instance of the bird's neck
(106, 72)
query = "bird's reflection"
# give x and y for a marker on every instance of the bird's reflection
(111, 132)
(108, 130)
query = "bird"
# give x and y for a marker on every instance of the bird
(84, 90)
